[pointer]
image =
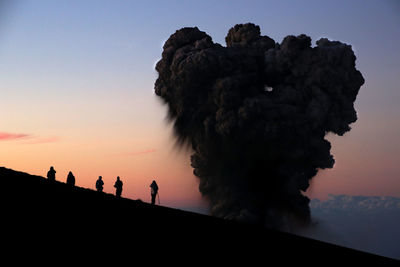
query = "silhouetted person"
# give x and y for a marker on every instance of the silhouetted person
(118, 185)
(154, 192)
(70, 179)
(51, 174)
(99, 184)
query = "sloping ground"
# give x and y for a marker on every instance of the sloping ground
(40, 216)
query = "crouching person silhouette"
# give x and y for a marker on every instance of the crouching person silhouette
(99, 184)
(118, 186)
(154, 192)
(70, 179)
(51, 174)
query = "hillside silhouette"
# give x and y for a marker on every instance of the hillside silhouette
(64, 217)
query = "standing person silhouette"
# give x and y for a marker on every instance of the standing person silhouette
(154, 192)
(99, 184)
(51, 174)
(70, 179)
(118, 185)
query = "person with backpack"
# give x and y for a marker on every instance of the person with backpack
(51, 174)
(99, 184)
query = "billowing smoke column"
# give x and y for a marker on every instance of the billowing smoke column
(255, 114)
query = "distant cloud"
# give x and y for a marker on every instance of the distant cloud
(136, 153)
(27, 138)
(367, 223)
(12, 136)
(356, 203)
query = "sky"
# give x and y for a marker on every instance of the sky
(77, 90)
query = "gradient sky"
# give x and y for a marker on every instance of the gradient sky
(77, 79)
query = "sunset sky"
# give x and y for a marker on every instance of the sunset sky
(77, 89)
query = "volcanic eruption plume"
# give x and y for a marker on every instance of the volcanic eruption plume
(256, 113)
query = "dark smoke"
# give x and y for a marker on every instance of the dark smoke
(256, 113)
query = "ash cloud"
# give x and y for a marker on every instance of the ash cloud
(255, 114)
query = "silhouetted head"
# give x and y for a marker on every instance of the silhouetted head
(117, 177)
(100, 177)
(51, 168)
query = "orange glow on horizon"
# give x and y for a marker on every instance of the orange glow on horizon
(131, 160)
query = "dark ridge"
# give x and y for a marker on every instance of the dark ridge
(42, 217)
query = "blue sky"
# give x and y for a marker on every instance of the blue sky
(80, 40)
